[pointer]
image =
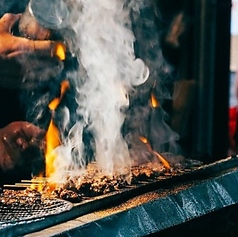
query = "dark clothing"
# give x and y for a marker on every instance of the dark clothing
(10, 106)
(10, 101)
(12, 6)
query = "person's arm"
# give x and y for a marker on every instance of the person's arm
(20, 57)
(12, 46)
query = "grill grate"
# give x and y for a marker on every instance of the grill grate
(16, 207)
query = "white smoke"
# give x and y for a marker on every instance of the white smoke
(115, 63)
(99, 35)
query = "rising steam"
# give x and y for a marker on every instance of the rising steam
(108, 78)
(108, 70)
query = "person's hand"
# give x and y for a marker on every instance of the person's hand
(21, 58)
(15, 139)
(12, 46)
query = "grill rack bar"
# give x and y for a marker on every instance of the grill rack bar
(89, 205)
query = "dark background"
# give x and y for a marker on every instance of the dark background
(202, 59)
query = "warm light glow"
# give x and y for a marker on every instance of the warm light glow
(54, 104)
(37, 183)
(52, 141)
(60, 50)
(160, 157)
(52, 135)
(154, 101)
(64, 87)
(163, 160)
(143, 139)
(56, 101)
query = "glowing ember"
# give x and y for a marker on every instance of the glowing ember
(163, 160)
(160, 157)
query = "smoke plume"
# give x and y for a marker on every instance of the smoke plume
(116, 62)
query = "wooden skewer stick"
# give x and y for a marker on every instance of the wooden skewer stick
(9, 186)
(16, 185)
(27, 184)
(33, 181)
(21, 185)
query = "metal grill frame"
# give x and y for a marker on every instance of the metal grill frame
(205, 173)
(18, 211)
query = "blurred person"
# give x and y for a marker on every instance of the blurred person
(235, 133)
(20, 56)
(233, 104)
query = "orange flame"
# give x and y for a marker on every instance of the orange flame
(60, 50)
(154, 102)
(52, 135)
(52, 141)
(37, 183)
(160, 157)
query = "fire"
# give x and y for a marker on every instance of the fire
(160, 157)
(56, 101)
(60, 50)
(37, 183)
(52, 141)
(154, 102)
(52, 135)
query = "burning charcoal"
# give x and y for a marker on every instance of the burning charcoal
(118, 184)
(101, 185)
(27, 204)
(95, 183)
(70, 195)
(19, 198)
(56, 192)
(140, 174)
(147, 171)
(70, 185)
(32, 193)
(85, 188)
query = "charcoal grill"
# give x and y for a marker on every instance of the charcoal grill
(23, 209)
(142, 209)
